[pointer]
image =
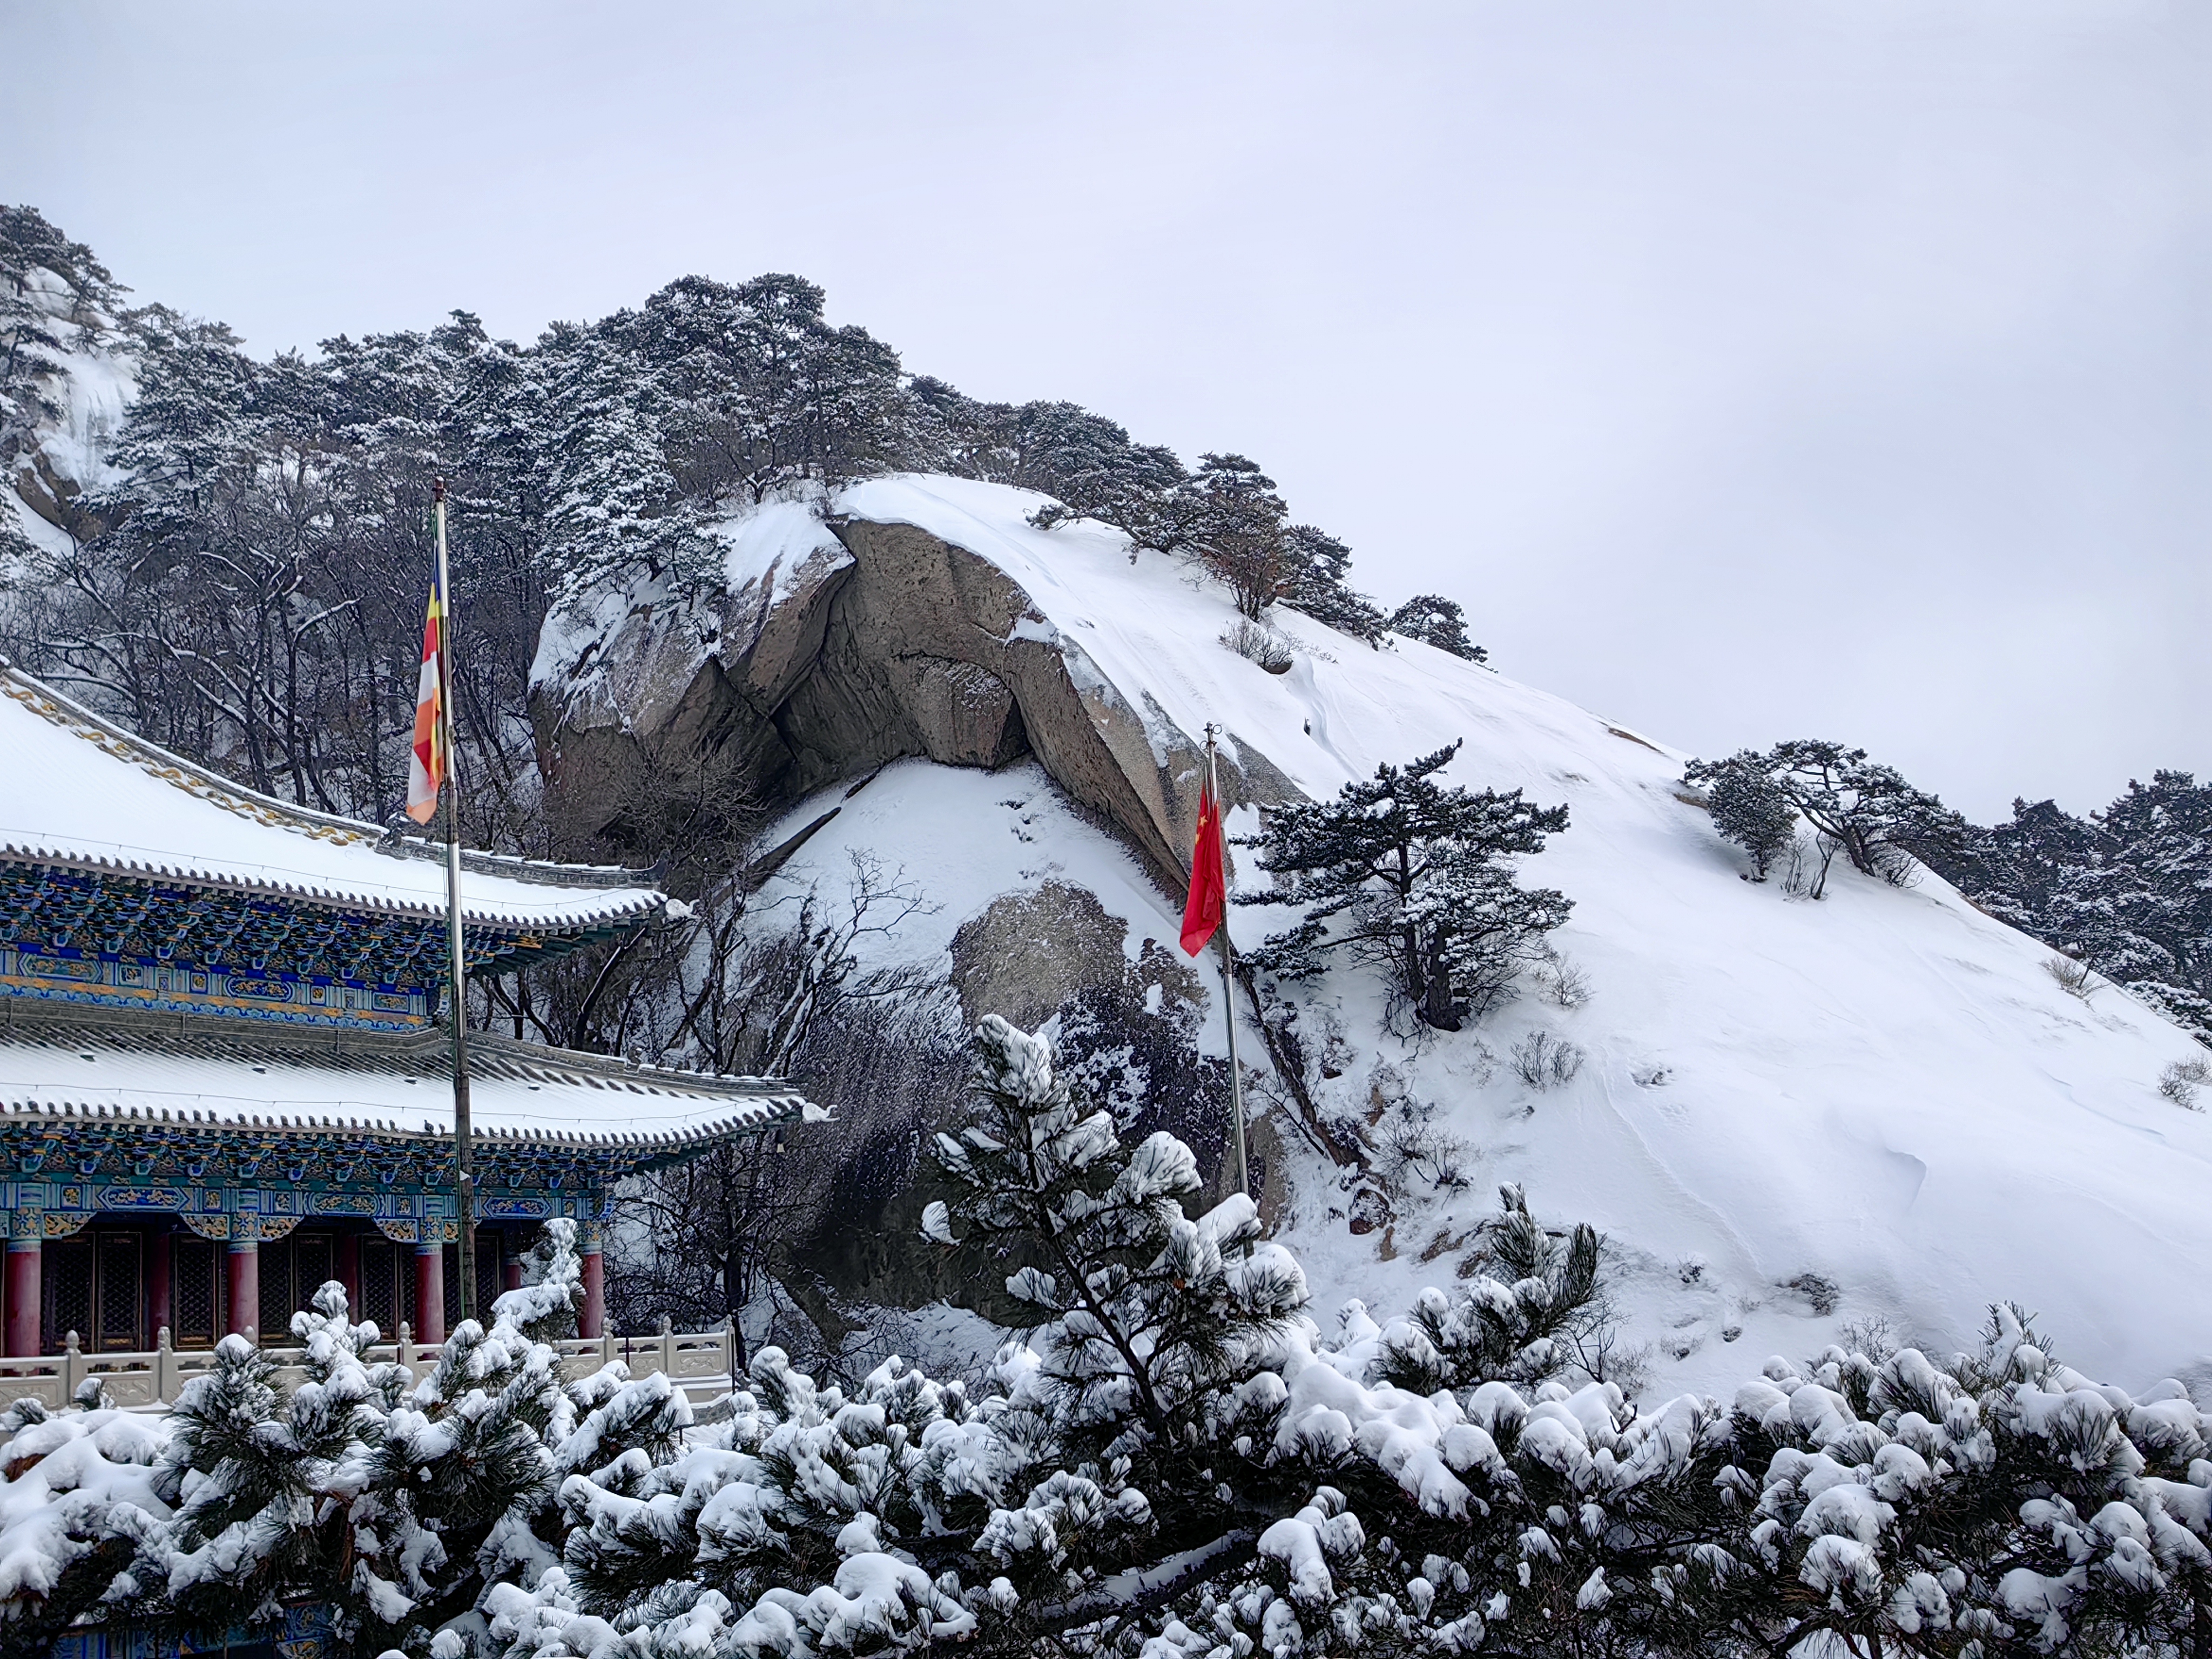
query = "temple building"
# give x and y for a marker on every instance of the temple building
(222, 1079)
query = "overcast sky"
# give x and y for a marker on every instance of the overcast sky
(1747, 370)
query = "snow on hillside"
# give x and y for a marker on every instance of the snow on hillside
(92, 394)
(1882, 1089)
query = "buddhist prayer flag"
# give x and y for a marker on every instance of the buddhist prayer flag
(1202, 910)
(426, 771)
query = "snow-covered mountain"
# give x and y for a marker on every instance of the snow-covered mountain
(1793, 1116)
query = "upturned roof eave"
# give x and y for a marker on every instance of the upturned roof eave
(636, 1151)
(124, 745)
(649, 907)
(744, 1105)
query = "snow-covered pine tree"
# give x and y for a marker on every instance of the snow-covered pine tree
(1152, 1322)
(1751, 810)
(49, 286)
(1090, 466)
(757, 391)
(2123, 890)
(451, 1487)
(2015, 870)
(191, 427)
(79, 1555)
(1404, 873)
(2157, 895)
(788, 1483)
(1435, 620)
(1229, 514)
(1317, 583)
(616, 509)
(265, 1486)
(1859, 807)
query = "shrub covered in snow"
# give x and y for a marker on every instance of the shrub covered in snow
(1176, 1462)
(2182, 1079)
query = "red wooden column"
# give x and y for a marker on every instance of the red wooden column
(430, 1292)
(158, 1283)
(242, 1286)
(510, 1261)
(593, 1320)
(26, 1305)
(349, 1270)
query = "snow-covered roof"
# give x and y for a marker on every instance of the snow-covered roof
(116, 1067)
(81, 791)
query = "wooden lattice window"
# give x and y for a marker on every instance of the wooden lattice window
(196, 1295)
(487, 1285)
(274, 1315)
(379, 1290)
(66, 1279)
(116, 1294)
(488, 1279)
(314, 1264)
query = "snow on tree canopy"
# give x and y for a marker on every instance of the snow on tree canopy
(1291, 1497)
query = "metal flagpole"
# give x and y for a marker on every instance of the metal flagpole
(1227, 974)
(457, 962)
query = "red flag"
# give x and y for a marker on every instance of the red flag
(1202, 911)
(426, 769)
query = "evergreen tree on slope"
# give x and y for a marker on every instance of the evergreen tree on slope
(1434, 620)
(615, 509)
(1404, 873)
(1751, 810)
(1318, 584)
(2127, 891)
(759, 391)
(2151, 918)
(1859, 807)
(54, 295)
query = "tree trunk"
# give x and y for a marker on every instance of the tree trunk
(1437, 998)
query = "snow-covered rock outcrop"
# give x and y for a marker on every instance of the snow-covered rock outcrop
(1793, 1116)
(899, 627)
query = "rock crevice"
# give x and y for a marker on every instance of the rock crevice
(882, 642)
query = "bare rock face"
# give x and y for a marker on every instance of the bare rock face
(966, 715)
(860, 643)
(59, 499)
(1031, 951)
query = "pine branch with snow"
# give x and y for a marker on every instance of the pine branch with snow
(1520, 1325)
(1152, 1321)
(544, 1309)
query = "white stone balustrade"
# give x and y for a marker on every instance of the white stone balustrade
(697, 1361)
